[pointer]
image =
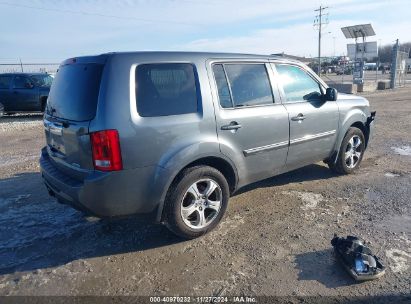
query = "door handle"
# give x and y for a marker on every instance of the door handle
(232, 126)
(299, 117)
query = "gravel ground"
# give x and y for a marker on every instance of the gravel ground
(274, 240)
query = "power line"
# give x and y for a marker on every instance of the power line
(98, 14)
(318, 23)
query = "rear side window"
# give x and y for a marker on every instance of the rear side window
(248, 85)
(5, 81)
(166, 89)
(75, 91)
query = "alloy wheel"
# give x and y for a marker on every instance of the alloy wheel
(201, 203)
(353, 152)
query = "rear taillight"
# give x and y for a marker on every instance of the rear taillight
(106, 150)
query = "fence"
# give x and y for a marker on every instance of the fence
(50, 68)
(396, 73)
(371, 75)
(401, 68)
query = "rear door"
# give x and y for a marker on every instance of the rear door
(252, 125)
(71, 105)
(24, 95)
(313, 122)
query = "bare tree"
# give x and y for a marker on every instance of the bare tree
(385, 51)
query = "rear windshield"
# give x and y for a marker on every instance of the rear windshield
(74, 92)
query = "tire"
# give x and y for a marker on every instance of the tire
(43, 105)
(185, 204)
(1, 110)
(351, 152)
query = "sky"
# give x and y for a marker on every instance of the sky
(53, 30)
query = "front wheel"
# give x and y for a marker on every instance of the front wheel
(351, 152)
(43, 105)
(196, 201)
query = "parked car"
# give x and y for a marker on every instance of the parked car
(24, 92)
(174, 134)
(344, 70)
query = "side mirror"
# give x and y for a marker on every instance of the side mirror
(331, 94)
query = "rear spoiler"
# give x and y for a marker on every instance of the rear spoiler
(100, 59)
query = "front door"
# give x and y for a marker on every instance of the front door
(252, 125)
(313, 121)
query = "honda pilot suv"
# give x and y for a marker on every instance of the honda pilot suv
(174, 134)
(24, 92)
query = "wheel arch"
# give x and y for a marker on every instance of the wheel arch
(219, 162)
(357, 119)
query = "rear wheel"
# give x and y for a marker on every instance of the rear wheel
(1, 109)
(196, 201)
(351, 152)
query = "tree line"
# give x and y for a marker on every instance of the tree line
(385, 51)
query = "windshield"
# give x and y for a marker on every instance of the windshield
(42, 80)
(74, 92)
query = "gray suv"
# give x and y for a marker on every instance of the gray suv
(174, 134)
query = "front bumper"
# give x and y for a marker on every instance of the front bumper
(102, 194)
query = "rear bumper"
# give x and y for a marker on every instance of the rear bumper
(103, 194)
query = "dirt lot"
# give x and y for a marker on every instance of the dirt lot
(274, 240)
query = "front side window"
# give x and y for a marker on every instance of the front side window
(21, 82)
(297, 84)
(249, 85)
(5, 81)
(166, 89)
(42, 80)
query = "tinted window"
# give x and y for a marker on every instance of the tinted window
(249, 84)
(165, 89)
(297, 84)
(74, 92)
(222, 86)
(5, 82)
(21, 82)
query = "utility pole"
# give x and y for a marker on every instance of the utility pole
(318, 23)
(394, 59)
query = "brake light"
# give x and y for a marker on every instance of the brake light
(106, 150)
